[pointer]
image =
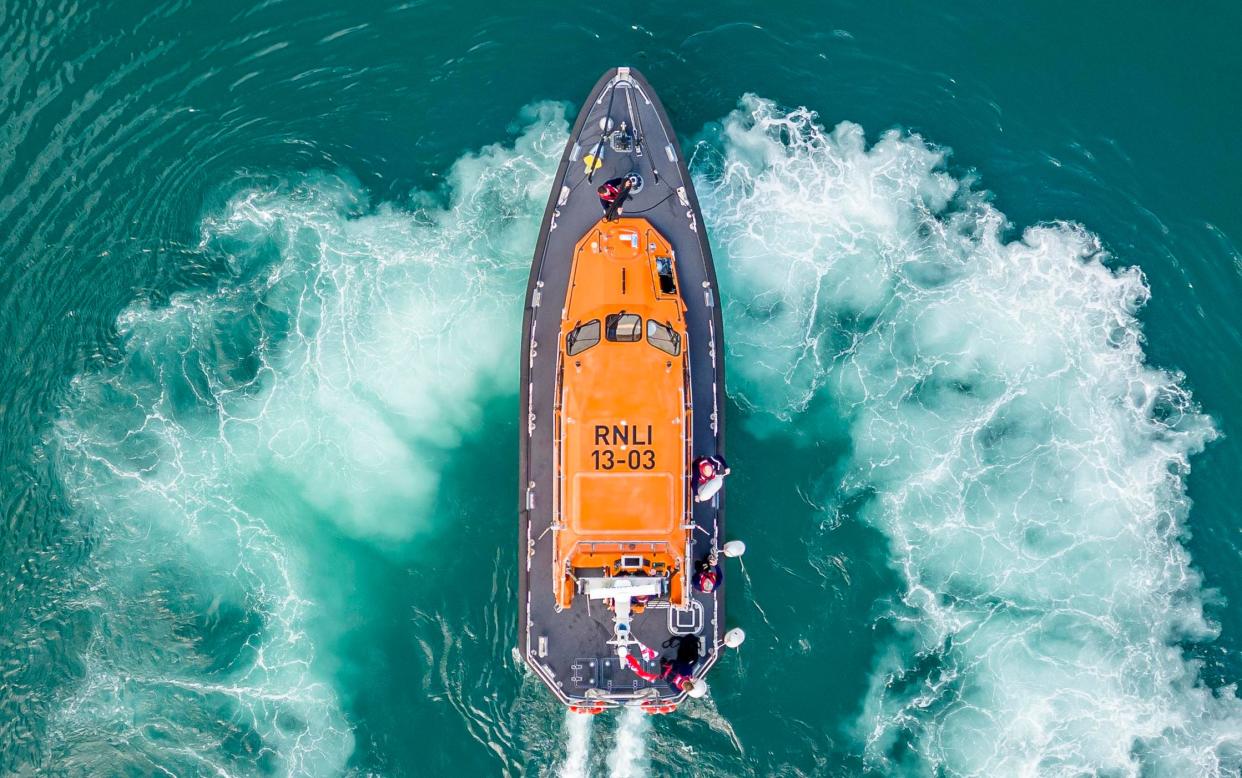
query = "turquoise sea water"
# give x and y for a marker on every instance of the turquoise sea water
(262, 268)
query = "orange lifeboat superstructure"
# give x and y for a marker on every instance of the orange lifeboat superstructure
(622, 418)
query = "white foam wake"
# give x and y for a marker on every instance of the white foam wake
(628, 758)
(1025, 463)
(577, 745)
(316, 388)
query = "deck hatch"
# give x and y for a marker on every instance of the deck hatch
(614, 498)
(664, 272)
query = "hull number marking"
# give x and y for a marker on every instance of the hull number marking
(634, 448)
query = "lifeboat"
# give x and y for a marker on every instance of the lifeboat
(622, 403)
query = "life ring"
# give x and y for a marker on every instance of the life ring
(592, 710)
(655, 709)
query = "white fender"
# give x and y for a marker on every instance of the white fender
(695, 688)
(708, 489)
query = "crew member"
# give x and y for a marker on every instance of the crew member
(680, 669)
(709, 473)
(677, 670)
(707, 575)
(613, 193)
(638, 604)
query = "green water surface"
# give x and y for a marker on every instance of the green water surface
(261, 268)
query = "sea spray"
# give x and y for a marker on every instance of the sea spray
(314, 389)
(1010, 441)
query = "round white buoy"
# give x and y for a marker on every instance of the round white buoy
(605, 124)
(695, 689)
(734, 637)
(734, 548)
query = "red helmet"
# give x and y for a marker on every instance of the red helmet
(707, 469)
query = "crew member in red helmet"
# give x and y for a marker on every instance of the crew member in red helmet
(709, 473)
(707, 575)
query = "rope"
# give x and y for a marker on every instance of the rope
(636, 117)
(604, 133)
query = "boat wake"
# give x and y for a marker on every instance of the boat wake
(1025, 463)
(629, 753)
(577, 745)
(244, 433)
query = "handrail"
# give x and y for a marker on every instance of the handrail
(622, 545)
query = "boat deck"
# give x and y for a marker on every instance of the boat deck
(569, 649)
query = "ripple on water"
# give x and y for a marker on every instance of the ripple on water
(314, 386)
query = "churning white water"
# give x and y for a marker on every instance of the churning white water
(1009, 440)
(629, 752)
(577, 745)
(324, 378)
(1024, 461)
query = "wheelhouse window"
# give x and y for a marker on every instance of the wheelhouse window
(582, 337)
(663, 337)
(624, 327)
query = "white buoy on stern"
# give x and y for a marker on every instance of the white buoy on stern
(734, 548)
(694, 687)
(734, 637)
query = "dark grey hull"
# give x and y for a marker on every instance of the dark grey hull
(568, 650)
